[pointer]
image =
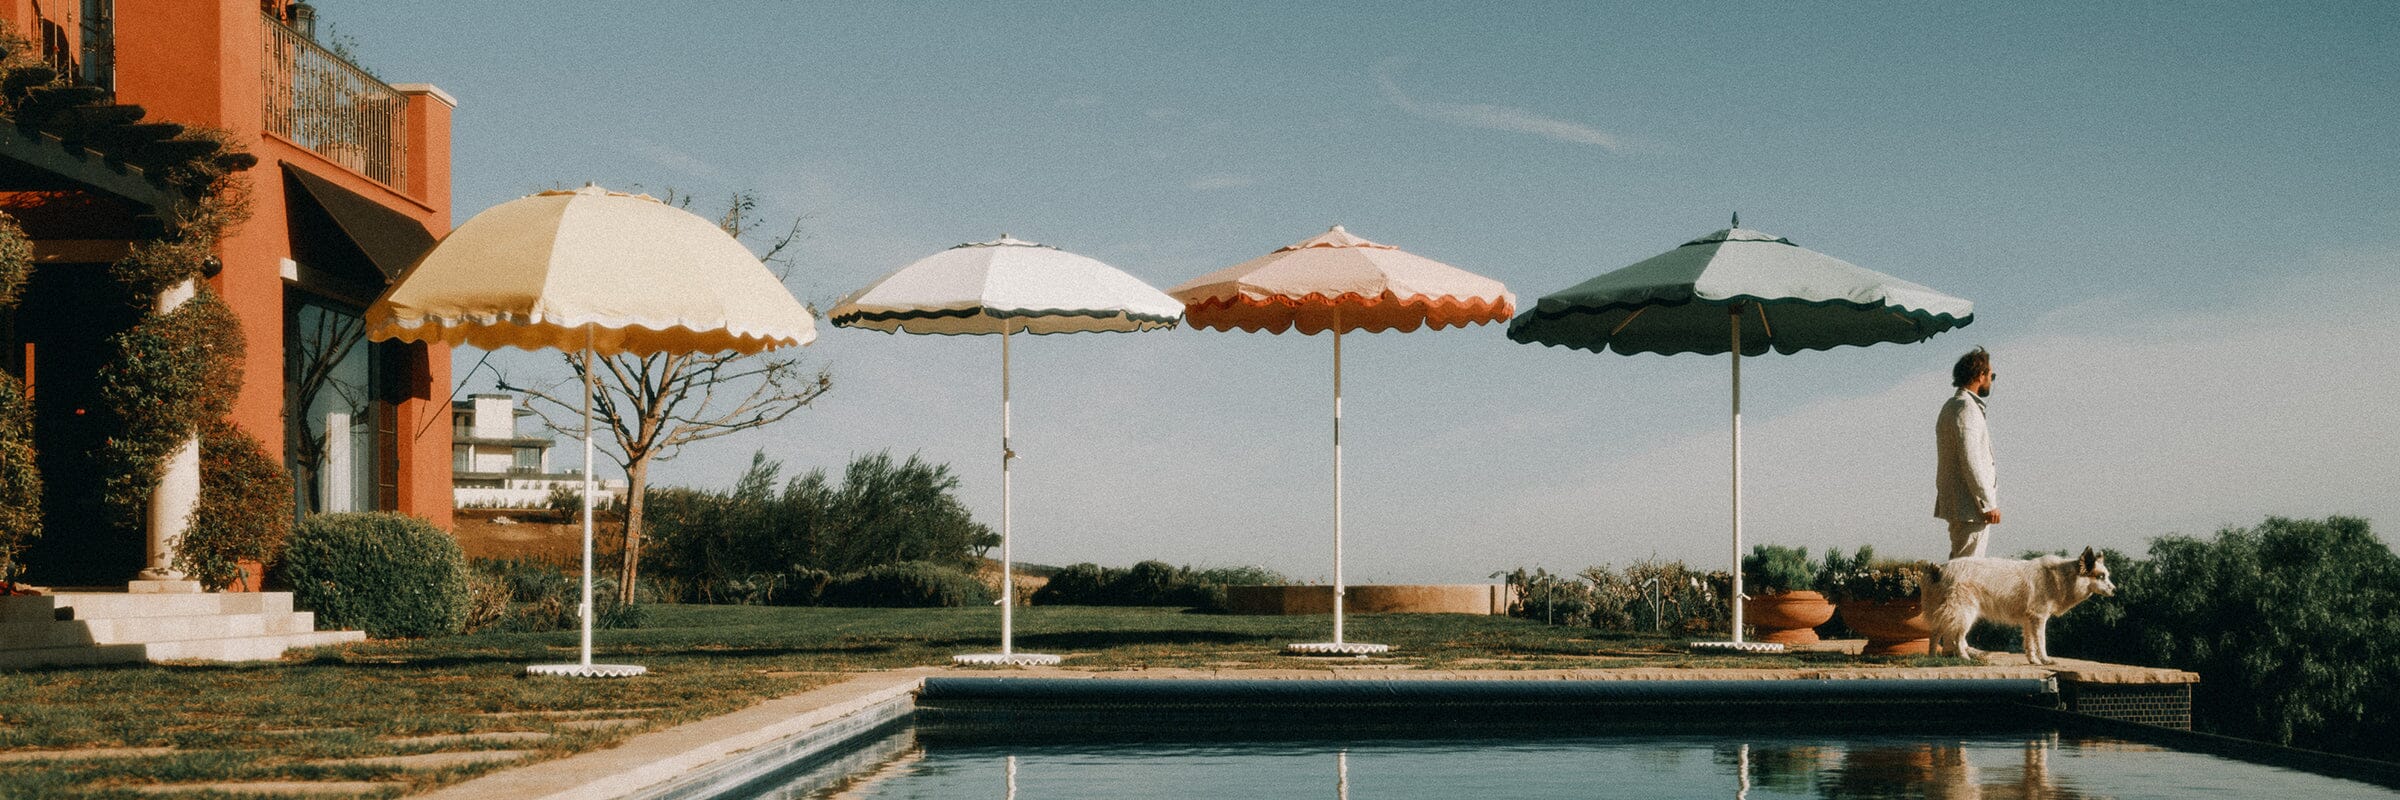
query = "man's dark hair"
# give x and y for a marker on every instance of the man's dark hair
(1974, 363)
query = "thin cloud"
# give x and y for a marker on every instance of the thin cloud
(1501, 118)
(677, 160)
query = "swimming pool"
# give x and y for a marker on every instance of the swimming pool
(932, 764)
(1006, 742)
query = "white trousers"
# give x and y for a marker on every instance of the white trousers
(1967, 539)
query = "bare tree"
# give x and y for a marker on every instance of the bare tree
(647, 408)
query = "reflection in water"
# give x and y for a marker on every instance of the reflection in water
(1943, 772)
(1741, 787)
(2025, 766)
(1938, 770)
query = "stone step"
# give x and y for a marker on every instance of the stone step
(249, 648)
(137, 630)
(30, 608)
(76, 656)
(115, 605)
(77, 628)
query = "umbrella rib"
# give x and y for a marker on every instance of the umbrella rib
(1763, 326)
(1629, 318)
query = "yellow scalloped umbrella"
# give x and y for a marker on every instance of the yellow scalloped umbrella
(1339, 282)
(596, 271)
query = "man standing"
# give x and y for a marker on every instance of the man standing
(1966, 489)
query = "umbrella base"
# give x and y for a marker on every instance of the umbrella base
(1736, 647)
(1336, 649)
(1007, 659)
(587, 670)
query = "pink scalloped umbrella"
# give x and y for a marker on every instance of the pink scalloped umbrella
(1339, 282)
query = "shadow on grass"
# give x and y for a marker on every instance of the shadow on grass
(1101, 640)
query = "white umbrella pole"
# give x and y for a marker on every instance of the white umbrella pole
(587, 496)
(1339, 588)
(1008, 572)
(1736, 316)
(585, 668)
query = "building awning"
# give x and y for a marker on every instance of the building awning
(389, 238)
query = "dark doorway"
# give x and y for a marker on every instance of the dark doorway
(61, 337)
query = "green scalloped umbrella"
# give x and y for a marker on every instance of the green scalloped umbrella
(1694, 298)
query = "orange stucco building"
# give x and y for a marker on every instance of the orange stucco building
(352, 183)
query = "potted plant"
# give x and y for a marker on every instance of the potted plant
(1881, 599)
(1779, 597)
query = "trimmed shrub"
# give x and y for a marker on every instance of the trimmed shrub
(908, 584)
(536, 596)
(802, 586)
(1149, 583)
(244, 512)
(387, 574)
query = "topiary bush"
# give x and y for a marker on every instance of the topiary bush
(244, 512)
(388, 574)
(908, 584)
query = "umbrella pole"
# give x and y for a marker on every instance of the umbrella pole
(1008, 572)
(1736, 317)
(587, 497)
(1339, 588)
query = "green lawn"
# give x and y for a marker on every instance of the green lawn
(269, 722)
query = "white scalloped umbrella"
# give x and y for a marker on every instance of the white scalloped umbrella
(1005, 286)
(1692, 299)
(1339, 282)
(600, 272)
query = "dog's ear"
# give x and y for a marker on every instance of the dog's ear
(2090, 559)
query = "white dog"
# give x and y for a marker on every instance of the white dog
(2008, 591)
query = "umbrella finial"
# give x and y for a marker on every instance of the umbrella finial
(1737, 219)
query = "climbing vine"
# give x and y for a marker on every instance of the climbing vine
(171, 371)
(20, 479)
(245, 508)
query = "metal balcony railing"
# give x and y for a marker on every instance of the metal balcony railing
(328, 105)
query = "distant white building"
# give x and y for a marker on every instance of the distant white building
(492, 466)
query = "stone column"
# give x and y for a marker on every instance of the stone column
(177, 493)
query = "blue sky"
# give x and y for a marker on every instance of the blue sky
(2178, 223)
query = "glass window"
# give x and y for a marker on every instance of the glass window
(329, 378)
(462, 458)
(529, 459)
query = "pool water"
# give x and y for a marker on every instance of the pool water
(934, 763)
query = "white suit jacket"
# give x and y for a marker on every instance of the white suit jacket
(1965, 480)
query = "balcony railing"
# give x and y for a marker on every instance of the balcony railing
(328, 105)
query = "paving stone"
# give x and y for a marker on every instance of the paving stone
(431, 760)
(83, 754)
(573, 712)
(457, 738)
(282, 788)
(600, 724)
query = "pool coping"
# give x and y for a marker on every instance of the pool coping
(685, 759)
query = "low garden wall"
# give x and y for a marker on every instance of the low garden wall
(1453, 598)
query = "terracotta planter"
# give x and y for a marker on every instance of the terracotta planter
(1892, 627)
(253, 575)
(1788, 617)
